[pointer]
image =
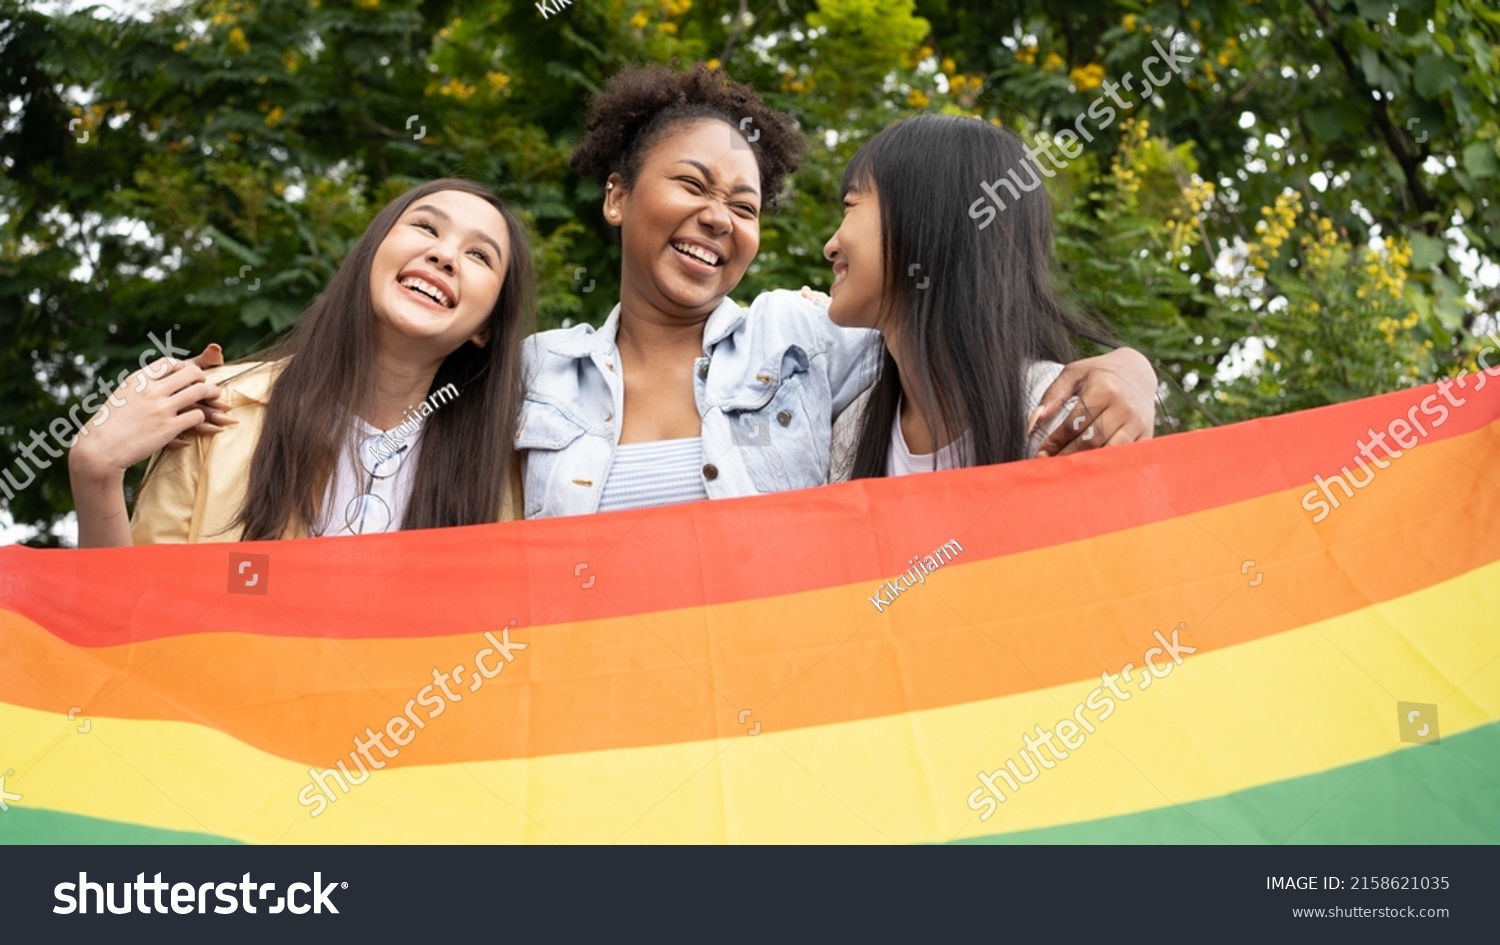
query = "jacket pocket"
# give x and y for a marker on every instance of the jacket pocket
(791, 429)
(545, 426)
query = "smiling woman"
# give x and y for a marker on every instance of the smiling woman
(435, 295)
(968, 353)
(683, 394)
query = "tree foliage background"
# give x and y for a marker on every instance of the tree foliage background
(1306, 214)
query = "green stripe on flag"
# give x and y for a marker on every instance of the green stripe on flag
(1448, 792)
(22, 826)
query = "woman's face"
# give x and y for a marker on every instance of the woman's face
(858, 271)
(437, 274)
(690, 225)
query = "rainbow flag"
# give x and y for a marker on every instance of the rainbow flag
(1280, 631)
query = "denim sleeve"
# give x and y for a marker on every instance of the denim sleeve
(849, 356)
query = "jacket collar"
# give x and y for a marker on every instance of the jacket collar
(246, 380)
(722, 322)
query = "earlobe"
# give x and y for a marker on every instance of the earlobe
(481, 339)
(613, 195)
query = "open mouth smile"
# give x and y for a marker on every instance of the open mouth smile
(426, 290)
(702, 254)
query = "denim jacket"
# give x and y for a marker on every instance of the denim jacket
(769, 385)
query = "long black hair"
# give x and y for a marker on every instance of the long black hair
(985, 303)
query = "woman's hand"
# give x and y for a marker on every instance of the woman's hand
(816, 297)
(214, 409)
(153, 408)
(1116, 403)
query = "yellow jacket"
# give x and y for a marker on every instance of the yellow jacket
(193, 494)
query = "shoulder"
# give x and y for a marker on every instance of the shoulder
(567, 343)
(553, 337)
(782, 312)
(787, 308)
(246, 382)
(1039, 376)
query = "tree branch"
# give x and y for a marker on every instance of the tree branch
(1410, 163)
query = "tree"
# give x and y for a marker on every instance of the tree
(1291, 219)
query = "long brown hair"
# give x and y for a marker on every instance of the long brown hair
(467, 447)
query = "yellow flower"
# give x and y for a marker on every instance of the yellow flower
(1129, 22)
(1087, 77)
(1026, 54)
(669, 28)
(273, 117)
(181, 44)
(367, 4)
(498, 81)
(456, 88)
(947, 66)
(714, 64)
(917, 99)
(237, 41)
(1053, 62)
(1197, 194)
(640, 19)
(957, 83)
(676, 7)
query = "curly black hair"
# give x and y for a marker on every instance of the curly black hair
(637, 107)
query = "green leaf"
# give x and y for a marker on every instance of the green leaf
(1426, 251)
(1433, 75)
(1479, 160)
(1326, 123)
(1481, 51)
(1369, 62)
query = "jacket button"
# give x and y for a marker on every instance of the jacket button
(703, 371)
(784, 418)
(710, 471)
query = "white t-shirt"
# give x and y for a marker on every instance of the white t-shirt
(352, 480)
(901, 461)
